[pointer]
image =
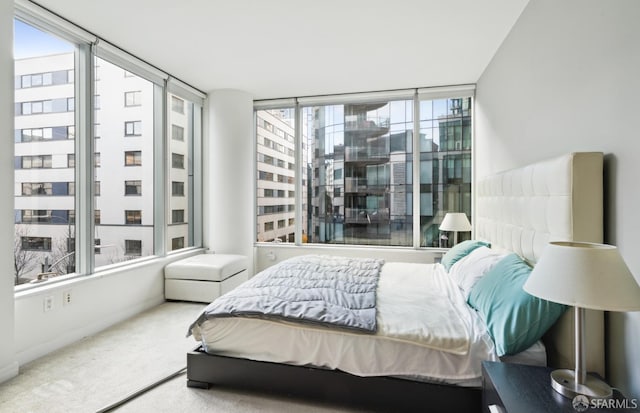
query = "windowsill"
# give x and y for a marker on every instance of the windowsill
(28, 289)
(346, 246)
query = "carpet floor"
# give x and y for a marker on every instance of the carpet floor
(102, 369)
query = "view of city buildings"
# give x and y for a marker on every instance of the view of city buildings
(275, 188)
(358, 171)
(123, 166)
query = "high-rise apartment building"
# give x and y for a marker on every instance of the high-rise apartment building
(123, 166)
(276, 165)
(361, 162)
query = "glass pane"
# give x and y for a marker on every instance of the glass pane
(357, 156)
(275, 185)
(44, 206)
(445, 166)
(124, 166)
(180, 230)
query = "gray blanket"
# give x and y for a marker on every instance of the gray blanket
(325, 290)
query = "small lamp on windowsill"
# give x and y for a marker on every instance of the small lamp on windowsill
(455, 221)
(583, 275)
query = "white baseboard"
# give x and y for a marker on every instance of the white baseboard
(42, 349)
(8, 372)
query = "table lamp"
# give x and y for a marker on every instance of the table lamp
(583, 275)
(455, 221)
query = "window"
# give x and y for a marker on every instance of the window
(177, 104)
(177, 161)
(58, 77)
(42, 222)
(37, 188)
(46, 154)
(177, 133)
(35, 162)
(133, 158)
(181, 175)
(133, 128)
(35, 244)
(128, 187)
(361, 188)
(177, 243)
(275, 154)
(133, 217)
(359, 161)
(445, 163)
(58, 105)
(133, 187)
(177, 188)
(177, 216)
(44, 134)
(133, 98)
(133, 247)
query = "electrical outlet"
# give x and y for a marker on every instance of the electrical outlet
(66, 297)
(48, 303)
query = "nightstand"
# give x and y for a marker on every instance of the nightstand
(517, 388)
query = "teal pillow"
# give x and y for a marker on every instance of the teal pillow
(515, 319)
(460, 251)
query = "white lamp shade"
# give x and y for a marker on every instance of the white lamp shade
(584, 275)
(455, 221)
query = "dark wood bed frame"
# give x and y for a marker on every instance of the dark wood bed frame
(331, 386)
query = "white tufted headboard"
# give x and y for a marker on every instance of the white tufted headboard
(560, 199)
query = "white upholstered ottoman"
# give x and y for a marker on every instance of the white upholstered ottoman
(204, 277)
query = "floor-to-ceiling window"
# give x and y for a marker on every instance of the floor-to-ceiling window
(275, 169)
(363, 178)
(105, 166)
(360, 186)
(182, 114)
(44, 150)
(124, 125)
(445, 164)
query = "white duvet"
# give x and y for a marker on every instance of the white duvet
(420, 304)
(414, 339)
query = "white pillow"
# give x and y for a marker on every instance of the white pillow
(468, 270)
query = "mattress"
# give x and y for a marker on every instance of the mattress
(367, 354)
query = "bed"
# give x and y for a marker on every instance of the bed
(518, 211)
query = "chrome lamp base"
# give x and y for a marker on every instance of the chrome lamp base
(564, 382)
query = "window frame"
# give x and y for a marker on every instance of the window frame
(82, 158)
(416, 94)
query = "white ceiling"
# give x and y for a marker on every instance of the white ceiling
(285, 48)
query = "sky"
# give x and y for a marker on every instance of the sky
(29, 42)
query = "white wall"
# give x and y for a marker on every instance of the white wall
(8, 364)
(567, 78)
(98, 301)
(229, 173)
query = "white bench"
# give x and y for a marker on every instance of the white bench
(204, 277)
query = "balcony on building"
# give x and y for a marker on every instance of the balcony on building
(366, 216)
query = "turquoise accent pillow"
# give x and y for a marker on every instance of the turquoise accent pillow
(515, 319)
(460, 251)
